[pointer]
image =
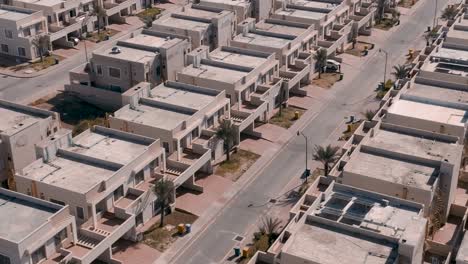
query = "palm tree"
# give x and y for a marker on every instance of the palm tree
(99, 12)
(400, 71)
(320, 58)
(42, 43)
(449, 13)
(227, 132)
(162, 189)
(369, 114)
(270, 227)
(326, 155)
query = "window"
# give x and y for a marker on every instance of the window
(99, 69)
(166, 146)
(118, 193)
(79, 212)
(210, 122)
(38, 28)
(56, 201)
(27, 32)
(4, 259)
(195, 133)
(38, 255)
(85, 8)
(8, 33)
(49, 19)
(4, 48)
(139, 177)
(21, 52)
(114, 72)
(60, 236)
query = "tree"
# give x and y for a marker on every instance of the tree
(449, 13)
(381, 6)
(320, 58)
(227, 132)
(282, 99)
(369, 114)
(270, 227)
(162, 189)
(42, 43)
(99, 12)
(354, 35)
(400, 71)
(326, 155)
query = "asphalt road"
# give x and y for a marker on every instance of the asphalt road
(216, 242)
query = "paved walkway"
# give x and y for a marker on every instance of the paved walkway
(134, 253)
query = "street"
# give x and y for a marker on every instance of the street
(348, 97)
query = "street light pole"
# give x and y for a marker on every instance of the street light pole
(84, 21)
(435, 14)
(306, 171)
(385, 67)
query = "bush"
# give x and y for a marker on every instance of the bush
(263, 243)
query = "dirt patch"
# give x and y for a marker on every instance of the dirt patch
(407, 3)
(74, 113)
(37, 65)
(359, 49)
(101, 36)
(162, 238)
(287, 117)
(326, 80)
(385, 24)
(350, 129)
(239, 163)
(410, 58)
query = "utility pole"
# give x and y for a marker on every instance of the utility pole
(435, 14)
(307, 170)
(385, 67)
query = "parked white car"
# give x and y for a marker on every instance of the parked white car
(332, 65)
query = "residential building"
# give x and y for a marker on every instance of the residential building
(33, 230)
(21, 128)
(203, 25)
(19, 26)
(64, 18)
(335, 223)
(462, 256)
(290, 41)
(249, 78)
(258, 9)
(105, 177)
(145, 57)
(404, 162)
(183, 117)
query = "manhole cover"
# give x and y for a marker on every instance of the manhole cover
(238, 238)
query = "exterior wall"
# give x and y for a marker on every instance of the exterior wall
(197, 38)
(174, 60)
(224, 29)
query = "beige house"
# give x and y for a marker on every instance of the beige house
(33, 230)
(105, 178)
(21, 129)
(291, 42)
(183, 117)
(258, 9)
(334, 223)
(249, 78)
(203, 25)
(146, 57)
(19, 26)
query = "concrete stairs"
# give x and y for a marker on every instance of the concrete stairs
(86, 241)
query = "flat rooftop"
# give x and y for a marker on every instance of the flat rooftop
(235, 58)
(187, 24)
(48, 3)
(21, 217)
(435, 113)
(221, 74)
(181, 97)
(326, 234)
(204, 13)
(14, 14)
(15, 119)
(152, 116)
(327, 245)
(316, 4)
(243, 3)
(77, 176)
(299, 13)
(153, 41)
(262, 40)
(392, 169)
(438, 93)
(107, 147)
(280, 28)
(128, 54)
(452, 54)
(414, 145)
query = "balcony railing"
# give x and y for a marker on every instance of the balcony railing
(190, 162)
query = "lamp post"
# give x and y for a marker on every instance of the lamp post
(385, 67)
(84, 21)
(435, 14)
(307, 170)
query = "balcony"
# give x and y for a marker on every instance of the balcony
(246, 113)
(267, 92)
(113, 8)
(179, 168)
(295, 73)
(64, 28)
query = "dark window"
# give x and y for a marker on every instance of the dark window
(139, 177)
(21, 51)
(118, 193)
(57, 202)
(114, 72)
(4, 259)
(38, 255)
(60, 236)
(5, 48)
(79, 212)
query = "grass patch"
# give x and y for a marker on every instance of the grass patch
(161, 238)
(38, 65)
(385, 24)
(326, 80)
(149, 12)
(101, 36)
(239, 163)
(359, 49)
(287, 117)
(74, 113)
(407, 3)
